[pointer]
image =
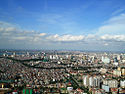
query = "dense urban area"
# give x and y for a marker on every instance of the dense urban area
(61, 72)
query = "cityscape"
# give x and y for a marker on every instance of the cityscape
(62, 46)
(62, 72)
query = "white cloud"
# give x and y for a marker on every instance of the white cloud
(42, 34)
(113, 37)
(19, 38)
(118, 11)
(13, 33)
(8, 29)
(15, 36)
(1, 29)
(106, 44)
(114, 26)
(117, 19)
(65, 38)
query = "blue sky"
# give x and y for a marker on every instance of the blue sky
(63, 24)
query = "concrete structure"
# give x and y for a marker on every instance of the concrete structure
(105, 60)
(86, 80)
(117, 73)
(105, 87)
(123, 72)
(122, 83)
(111, 83)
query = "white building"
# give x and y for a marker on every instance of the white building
(97, 81)
(123, 72)
(111, 83)
(122, 83)
(90, 81)
(105, 60)
(117, 72)
(86, 80)
(103, 70)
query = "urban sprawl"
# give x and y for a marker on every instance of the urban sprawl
(61, 72)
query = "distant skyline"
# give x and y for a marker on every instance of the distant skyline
(95, 25)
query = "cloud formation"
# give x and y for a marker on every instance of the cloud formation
(110, 36)
(65, 38)
(113, 37)
(115, 25)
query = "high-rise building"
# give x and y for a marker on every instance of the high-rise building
(123, 72)
(86, 80)
(122, 83)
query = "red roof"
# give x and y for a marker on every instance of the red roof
(15, 91)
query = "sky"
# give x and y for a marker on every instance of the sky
(92, 25)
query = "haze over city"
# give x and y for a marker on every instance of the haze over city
(62, 46)
(96, 25)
